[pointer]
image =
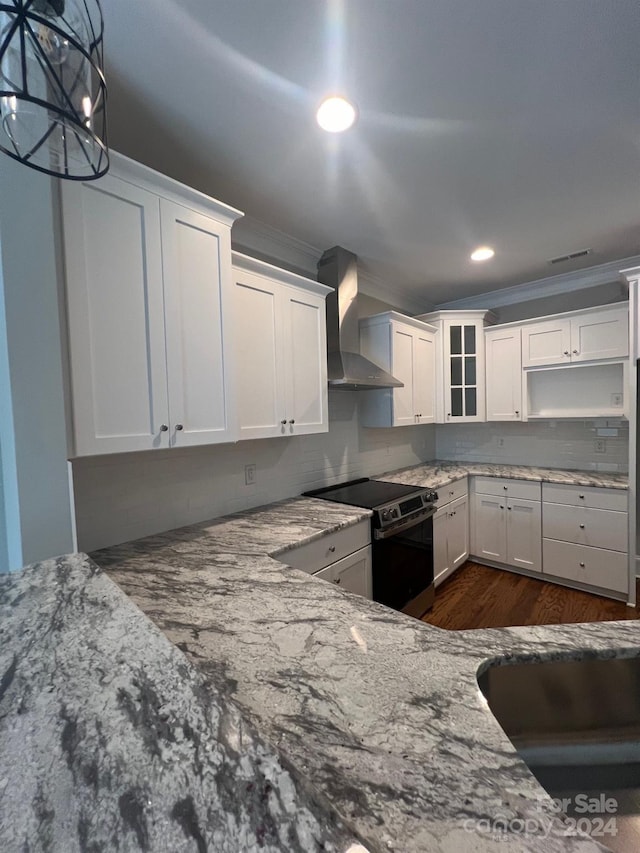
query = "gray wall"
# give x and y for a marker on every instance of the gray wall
(574, 301)
(37, 508)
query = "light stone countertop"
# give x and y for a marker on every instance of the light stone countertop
(440, 473)
(110, 740)
(381, 712)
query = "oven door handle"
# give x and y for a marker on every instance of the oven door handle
(407, 525)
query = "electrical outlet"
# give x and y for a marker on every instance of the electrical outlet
(616, 400)
(250, 474)
(600, 445)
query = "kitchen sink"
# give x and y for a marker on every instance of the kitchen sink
(576, 724)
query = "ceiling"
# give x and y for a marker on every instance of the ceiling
(504, 122)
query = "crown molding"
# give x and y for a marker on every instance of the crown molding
(253, 237)
(551, 286)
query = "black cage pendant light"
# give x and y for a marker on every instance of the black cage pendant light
(52, 88)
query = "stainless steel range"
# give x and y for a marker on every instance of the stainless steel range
(402, 539)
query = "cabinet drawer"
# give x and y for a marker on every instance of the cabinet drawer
(599, 528)
(589, 496)
(452, 491)
(594, 566)
(315, 555)
(527, 489)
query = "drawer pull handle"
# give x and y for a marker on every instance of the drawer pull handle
(582, 565)
(582, 527)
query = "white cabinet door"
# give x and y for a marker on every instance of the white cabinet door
(602, 335)
(440, 543)
(458, 532)
(524, 534)
(281, 350)
(424, 377)
(305, 362)
(548, 342)
(404, 412)
(490, 532)
(464, 370)
(115, 310)
(503, 374)
(352, 573)
(260, 358)
(197, 297)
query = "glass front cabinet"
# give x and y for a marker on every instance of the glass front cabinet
(461, 367)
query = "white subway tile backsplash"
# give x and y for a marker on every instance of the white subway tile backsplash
(130, 495)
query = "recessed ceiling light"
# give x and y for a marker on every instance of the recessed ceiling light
(482, 253)
(335, 114)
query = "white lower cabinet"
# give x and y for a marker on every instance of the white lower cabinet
(281, 351)
(507, 523)
(450, 530)
(585, 536)
(342, 557)
(352, 573)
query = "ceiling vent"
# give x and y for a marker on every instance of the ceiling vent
(571, 257)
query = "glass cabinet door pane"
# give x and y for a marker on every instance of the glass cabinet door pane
(470, 406)
(470, 370)
(456, 370)
(455, 339)
(456, 402)
(470, 340)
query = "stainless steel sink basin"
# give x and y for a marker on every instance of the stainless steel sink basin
(577, 726)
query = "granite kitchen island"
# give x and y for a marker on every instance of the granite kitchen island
(380, 713)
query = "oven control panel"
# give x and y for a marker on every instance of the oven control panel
(397, 510)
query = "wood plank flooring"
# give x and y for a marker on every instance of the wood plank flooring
(481, 597)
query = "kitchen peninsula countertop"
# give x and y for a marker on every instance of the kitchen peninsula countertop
(110, 740)
(381, 712)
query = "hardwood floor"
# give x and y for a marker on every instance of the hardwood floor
(480, 597)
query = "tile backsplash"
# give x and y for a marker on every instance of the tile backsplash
(550, 444)
(129, 495)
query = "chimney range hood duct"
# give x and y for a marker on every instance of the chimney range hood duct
(347, 369)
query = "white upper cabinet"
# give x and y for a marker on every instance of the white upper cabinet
(281, 351)
(593, 335)
(460, 373)
(405, 348)
(503, 374)
(148, 286)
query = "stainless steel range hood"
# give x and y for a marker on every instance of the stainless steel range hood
(338, 268)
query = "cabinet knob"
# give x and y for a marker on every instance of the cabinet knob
(283, 422)
(581, 497)
(501, 506)
(582, 527)
(582, 565)
(292, 421)
(509, 508)
(517, 412)
(179, 427)
(164, 428)
(336, 580)
(575, 352)
(332, 549)
(505, 487)
(566, 352)
(451, 493)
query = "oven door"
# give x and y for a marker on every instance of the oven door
(403, 564)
